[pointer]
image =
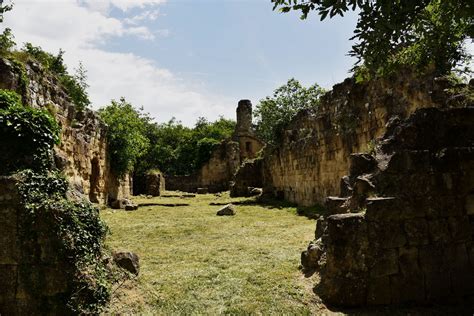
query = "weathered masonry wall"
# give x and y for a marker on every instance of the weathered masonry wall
(33, 277)
(82, 153)
(314, 152)
(248, 176)
(405, 231)
(214, 175)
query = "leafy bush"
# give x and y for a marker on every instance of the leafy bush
(7, 42)
(77, 228)
(274, 113)
(179, 150)
(126, 135)
(75, 85)
(27, 135)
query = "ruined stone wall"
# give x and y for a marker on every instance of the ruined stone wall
(214, 175)
(186, 183)
(33, 276)
(249, 175)
(405, 231)
(314, 152)
(218, 171)
(82, 153)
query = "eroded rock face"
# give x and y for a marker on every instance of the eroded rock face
(405, 233)
(228, 210)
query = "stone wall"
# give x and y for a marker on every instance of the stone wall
(249, 175)
(82, 153)
(218, 171)
(215, 174)
(314, 152)
(33, 276)
(404, 231)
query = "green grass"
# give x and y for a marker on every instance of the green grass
(194, 262)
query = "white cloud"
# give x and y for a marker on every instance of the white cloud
(83, 32)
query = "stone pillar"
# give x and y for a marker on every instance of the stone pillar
(244, 117)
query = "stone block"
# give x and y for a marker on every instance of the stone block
(431, 258)
(438, 285)
(439, 230)
(378, 291)
(387, 234)
(8, 279)
(408, 260)
(382, 209)
(382, 262)
(417, 231)
(407, 289)
(334, 205)
(343, 291)
(460, 228)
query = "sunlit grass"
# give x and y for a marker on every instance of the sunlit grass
(194, 262)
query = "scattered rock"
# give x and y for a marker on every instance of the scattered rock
(311, 256)
(255, 191)
(202, 190)
(128, 261)
(228, 210)
(123, 204)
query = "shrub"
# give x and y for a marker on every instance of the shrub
(27, 135)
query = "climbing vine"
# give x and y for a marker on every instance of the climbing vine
(78, 230)
(27, 135)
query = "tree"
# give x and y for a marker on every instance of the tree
(126, 136)
(4, 8)
(390, 33)
(274, 113)
(7, 42)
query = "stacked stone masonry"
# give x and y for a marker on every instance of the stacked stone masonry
(314, 152)
(82, 153)
(404, 232)
(33, 276)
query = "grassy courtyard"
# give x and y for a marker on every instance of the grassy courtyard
(194, 262)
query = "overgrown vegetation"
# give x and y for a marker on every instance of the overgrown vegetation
(27, 135)
(79, 231)
(426, 34)
(74, 84)
(179, 150)
(274, 113)
(126, 135)
(137, 144)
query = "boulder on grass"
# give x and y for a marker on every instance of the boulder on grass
(123, 204)
(228, 210)
(128, 261)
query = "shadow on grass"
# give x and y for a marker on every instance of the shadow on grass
(311, 212)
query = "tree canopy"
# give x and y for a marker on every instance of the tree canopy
(274, 113)
(126, 137)
(389, 33)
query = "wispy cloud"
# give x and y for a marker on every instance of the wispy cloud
(83, 28)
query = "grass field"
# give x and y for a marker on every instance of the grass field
(194, 262)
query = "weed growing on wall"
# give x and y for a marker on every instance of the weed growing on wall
(27, 135)
(78, 230)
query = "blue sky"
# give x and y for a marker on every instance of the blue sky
(186, 58)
